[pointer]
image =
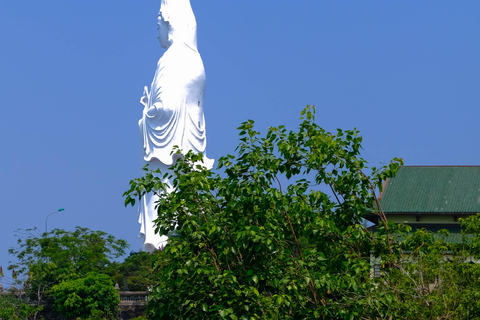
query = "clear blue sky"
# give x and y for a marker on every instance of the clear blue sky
(405, 73)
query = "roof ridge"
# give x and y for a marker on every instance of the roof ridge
(441, 166)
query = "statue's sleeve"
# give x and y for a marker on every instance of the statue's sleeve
(161, 127)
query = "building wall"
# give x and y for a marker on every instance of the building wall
(412, 219)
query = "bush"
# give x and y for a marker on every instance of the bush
(93, 296)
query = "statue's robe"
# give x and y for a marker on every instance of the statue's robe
(177, 89)
(177, 92)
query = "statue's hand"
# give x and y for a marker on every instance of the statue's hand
(155, 111)
(146, 96)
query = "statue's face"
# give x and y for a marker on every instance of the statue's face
(162, 31)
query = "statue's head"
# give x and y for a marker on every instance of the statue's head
(176, 22)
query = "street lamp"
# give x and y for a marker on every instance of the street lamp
(46, 219)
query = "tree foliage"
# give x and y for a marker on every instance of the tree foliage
(63, 256)
(12, 308)
(429, 277)
(136, 272)
(89, 297)
(277, 235)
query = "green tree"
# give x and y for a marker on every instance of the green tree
(64, 256)
(90, 297)
(277, 235)
(136, 272)
(433, 277)
(12, 308)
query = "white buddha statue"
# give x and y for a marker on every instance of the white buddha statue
(173, 108)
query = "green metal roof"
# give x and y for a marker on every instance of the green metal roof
(433, 189)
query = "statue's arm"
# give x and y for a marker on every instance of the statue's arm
(154, 110)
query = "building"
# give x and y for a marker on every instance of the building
(431, 197)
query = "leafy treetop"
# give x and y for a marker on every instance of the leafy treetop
(251, 247)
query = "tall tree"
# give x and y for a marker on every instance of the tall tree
(136, 272)
(60, 255)
(277, 234)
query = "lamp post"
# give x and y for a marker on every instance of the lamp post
(46, 219)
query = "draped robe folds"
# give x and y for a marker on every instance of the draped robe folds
(177, 93)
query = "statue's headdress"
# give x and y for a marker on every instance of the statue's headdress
(177, 10)
(179, 15)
